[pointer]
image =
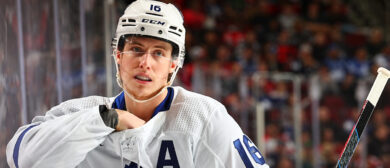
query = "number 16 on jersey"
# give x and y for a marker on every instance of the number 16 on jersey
(251, 148)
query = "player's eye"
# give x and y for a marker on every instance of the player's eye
(159, 53)
(136, 49)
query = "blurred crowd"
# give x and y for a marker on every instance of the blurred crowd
(227, 44)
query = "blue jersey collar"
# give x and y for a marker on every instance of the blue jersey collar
(120, 103)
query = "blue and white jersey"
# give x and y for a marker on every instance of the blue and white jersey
(187, 130)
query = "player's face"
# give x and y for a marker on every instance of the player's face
(144, 66)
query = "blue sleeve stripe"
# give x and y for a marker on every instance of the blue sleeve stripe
(17, 145)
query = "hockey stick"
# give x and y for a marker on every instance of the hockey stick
(365, 114)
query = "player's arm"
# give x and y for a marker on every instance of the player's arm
(223, 144)
(61, 138)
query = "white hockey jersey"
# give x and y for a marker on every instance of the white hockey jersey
(187, 130)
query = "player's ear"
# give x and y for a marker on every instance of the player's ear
(118, 56)
(173, 66)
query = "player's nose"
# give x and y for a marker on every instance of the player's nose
(145, 60)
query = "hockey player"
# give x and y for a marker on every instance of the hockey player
(150, 124)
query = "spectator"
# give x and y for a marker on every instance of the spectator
(378, 145)
(193, 15)
(248, 59)
(383, 58)
(375, 42)
(288, 17)
(305, 63)
(319, 46)
(359, 65)
(336, 64)
(286, 52)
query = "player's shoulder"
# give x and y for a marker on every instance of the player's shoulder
(88, 101)
(76, 104)
(191, 112)
(193, 98)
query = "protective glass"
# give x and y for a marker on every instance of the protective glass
(134, 49)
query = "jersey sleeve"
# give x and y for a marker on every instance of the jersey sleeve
(223, 144)
(61, 138)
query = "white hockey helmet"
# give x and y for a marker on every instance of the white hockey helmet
(153, 19)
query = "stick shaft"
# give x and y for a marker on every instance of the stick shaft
(354, 136)
(365, 114)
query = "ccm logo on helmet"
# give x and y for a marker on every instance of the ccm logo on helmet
(153, 22)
